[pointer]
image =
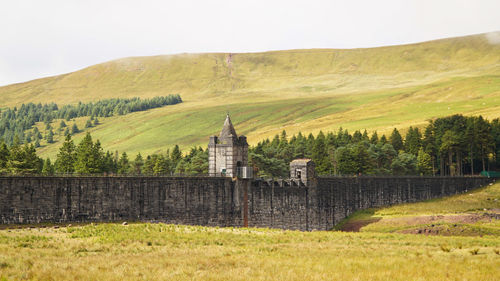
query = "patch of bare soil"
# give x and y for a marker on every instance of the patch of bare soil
(355, 226)
(429, 225)
(455, 224)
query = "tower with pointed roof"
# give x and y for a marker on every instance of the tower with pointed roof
(227, 152)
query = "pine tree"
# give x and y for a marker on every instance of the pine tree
(138, 164)
(383, 139)
(4, 157)
(429, 145)
(181, 167)
(424, 163)
(449, 145)
(320, 154)
(23, 160)
(413, 141)
(357, 136)
(365, 137)
(74, 129)
(16, 158)
(65, 162)
(198, 164)
(160, 165)
(176, 155)
(404, 164)
(50, 136)
(396, 140)
(48, 168)
(484, 139)
(374, 138)
(149, 164)
(123, 164)
(109, 165)
(471, 137)
(88, 124)
(346, 161)
(86, 162)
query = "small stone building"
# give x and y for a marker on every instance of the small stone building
(227, 153)
(303, 170)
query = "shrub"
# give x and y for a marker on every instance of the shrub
(445, 248)
(474, 251)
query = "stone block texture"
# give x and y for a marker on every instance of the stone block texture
(213, 201)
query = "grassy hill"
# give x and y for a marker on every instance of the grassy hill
(296, 90)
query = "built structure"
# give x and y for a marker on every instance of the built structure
(228, 153)
(302, 170)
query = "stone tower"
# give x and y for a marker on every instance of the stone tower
(227, 152)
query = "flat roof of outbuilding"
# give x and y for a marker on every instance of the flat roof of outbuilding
(302, 161)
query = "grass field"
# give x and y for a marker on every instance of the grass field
(144, 251)
(297, 90)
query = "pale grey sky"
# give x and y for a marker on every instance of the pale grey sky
(43, 38)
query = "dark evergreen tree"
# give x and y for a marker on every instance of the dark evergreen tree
(424, 163)
(374, 138)
(65, 161)
(89, 156)
(88, 124)
(396, 140)
(413, 141)
(4, 157)
(50, 136)
(450, 145)
(123, 164)
(48, 168)
(176, 155)
(23, 160)
(138, 164)
(161, 165)
(74, 129)
(404, 164)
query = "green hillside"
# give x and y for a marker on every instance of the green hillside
(296, 90)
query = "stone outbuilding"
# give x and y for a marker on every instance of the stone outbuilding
(228, 153)
(302, 170)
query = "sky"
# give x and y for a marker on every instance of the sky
(45, 38)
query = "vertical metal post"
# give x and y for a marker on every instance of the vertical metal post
(245, 202)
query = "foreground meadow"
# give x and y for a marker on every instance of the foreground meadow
(146, 251)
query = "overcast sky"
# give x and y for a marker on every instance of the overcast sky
(44, 38)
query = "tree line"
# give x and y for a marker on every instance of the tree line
(89, 158)
(15, 121)
(454, 145)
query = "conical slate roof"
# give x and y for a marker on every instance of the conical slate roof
(227, 129)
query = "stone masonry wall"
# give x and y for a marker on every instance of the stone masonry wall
(213, 201)
(197, 201)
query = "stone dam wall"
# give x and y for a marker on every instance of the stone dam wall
(213, 201)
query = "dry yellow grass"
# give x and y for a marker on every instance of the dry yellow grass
(167, 252)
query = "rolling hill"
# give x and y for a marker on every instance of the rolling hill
(296, 90)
